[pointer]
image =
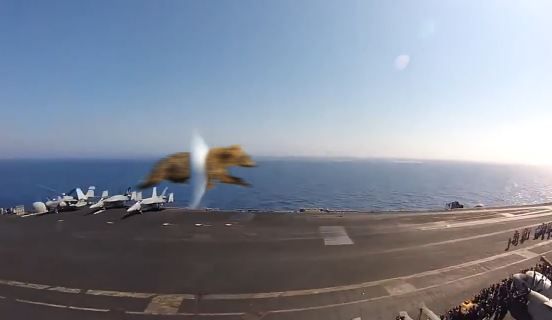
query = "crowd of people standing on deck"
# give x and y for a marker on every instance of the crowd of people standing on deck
(541, 231)
(490, 303)
(494, 302)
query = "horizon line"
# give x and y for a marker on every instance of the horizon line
(404, 160)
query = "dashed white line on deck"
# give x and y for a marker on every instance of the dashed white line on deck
(65, 290)
(119, 294)
(60, 306)
(522, 253)
(398, 287)
(206, 314)
(335, 236)
(355, 302)
(24, 284)
(87, 309)
(42, 303)
(282, 311)
(304, 292)
(527, 253)
(442, 225)
(164, 304)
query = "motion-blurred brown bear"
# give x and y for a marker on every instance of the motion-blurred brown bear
(176, 167)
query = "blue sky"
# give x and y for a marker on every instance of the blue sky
(464, 80)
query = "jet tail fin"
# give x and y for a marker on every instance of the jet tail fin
(171, 197)
(154, 192)
(80, 195)
(90, 192)
(133, 196)
(139, 196)
(105, 194)
(164, 192)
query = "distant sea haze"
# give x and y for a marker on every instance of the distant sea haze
(371, 185)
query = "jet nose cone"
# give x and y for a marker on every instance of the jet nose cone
(96, 205)
(134, 207)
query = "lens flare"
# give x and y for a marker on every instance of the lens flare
(199, 175)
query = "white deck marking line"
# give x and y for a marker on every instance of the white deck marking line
(320, 307)
(2, 297)
(395, 288)
(530, 212)
(61, 306)
(527, 253)
(262, 295)
(24, 284)
(357, 318)
(356, 286)
(431, 244)
(164, 304)
(41, 303)
(499, 217)
(206, 314)
(119, 294)
(440, 225)
(291, 293)
(333, 305)
(335, 235)
(523, 216)
(496, 210)
(65, 290)
(87, 309)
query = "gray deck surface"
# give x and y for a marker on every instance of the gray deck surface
(232, 265)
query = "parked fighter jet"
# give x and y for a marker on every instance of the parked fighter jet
(155, 202)
(116, 201)
(73, 200)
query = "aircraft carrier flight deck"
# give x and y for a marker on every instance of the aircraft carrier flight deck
(182, 264)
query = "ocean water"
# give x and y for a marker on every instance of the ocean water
(371, 185)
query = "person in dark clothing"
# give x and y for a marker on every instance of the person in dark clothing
(509, 243)
(516, 238)
(523, 236)
(497, 300)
